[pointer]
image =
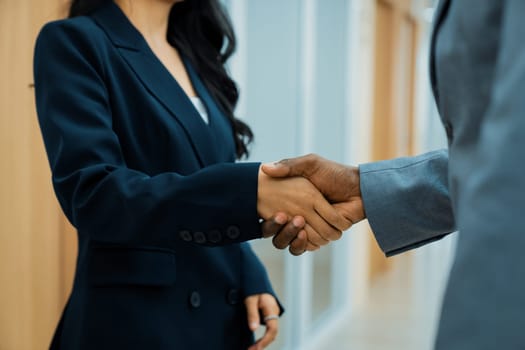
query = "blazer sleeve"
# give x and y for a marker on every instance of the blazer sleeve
(99, 194)
(407, 201)
(254, 276)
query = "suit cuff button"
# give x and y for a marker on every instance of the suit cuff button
(199, 237)
(233, 232)
(185, 235)
(195, 299)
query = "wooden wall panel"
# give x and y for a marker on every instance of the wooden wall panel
(33, 278)
(396, 38)
(383, 124)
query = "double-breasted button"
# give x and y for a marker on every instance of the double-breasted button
(233, 232)
(233, 296)
(185, 235)
(214, 236)
(199, 237)
(195, 299)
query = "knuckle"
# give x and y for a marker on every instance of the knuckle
(291, 231)
(311, 157)
(297, 250)
(294, 247)
(334, 235)
(322, 241)
(269, 230)
(279, 245)
(272, 225)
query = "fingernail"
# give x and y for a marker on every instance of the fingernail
(297, 222)
(254, 326)
(280, 219)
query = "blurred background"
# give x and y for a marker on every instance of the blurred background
(347, 79)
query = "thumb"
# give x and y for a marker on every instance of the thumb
(300, 166)
(276, 169)
(252, 310)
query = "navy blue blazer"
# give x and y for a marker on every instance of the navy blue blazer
(160, 206)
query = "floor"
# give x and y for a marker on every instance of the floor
(391, 317)
(397, 310)
(388, 320)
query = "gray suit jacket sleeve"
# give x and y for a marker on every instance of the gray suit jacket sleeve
(407, 200)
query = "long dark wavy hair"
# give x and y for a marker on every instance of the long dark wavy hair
(202, 31)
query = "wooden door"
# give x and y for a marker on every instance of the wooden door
(37, 246)
(396, 39)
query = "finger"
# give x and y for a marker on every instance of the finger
(323, 231)
(268, 306)
(352, 210)
(272, 328)
(283, 239)
(252, 310)
(332, 217)
(313, 237)
(298, 244)
(300, 166)
(276, 169)
(274, 224)
(312, 248)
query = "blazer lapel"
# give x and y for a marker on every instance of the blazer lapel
(156, 78)
(441, 11)
(222, 133)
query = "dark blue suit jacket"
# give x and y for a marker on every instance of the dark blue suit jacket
(160, 206)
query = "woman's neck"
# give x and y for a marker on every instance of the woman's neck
(150, 17)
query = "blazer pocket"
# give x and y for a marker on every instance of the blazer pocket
(131, 266)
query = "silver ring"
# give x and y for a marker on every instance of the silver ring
(271, 317)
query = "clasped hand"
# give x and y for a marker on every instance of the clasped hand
(308, 201)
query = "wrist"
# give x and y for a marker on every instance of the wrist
(356, 181)
(262, 182)
(358, 197)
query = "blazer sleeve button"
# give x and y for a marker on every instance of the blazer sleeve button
(214, 236)
(195, 299)
(233, 232)
(185, 235)
(199, 237)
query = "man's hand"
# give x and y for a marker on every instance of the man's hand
(296, 196)
(337, 182)
(286, 233)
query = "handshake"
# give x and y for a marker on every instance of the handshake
(307, 202)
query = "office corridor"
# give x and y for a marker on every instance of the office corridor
(390, 318)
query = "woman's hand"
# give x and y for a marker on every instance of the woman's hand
(266, 306)
(298, 197)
